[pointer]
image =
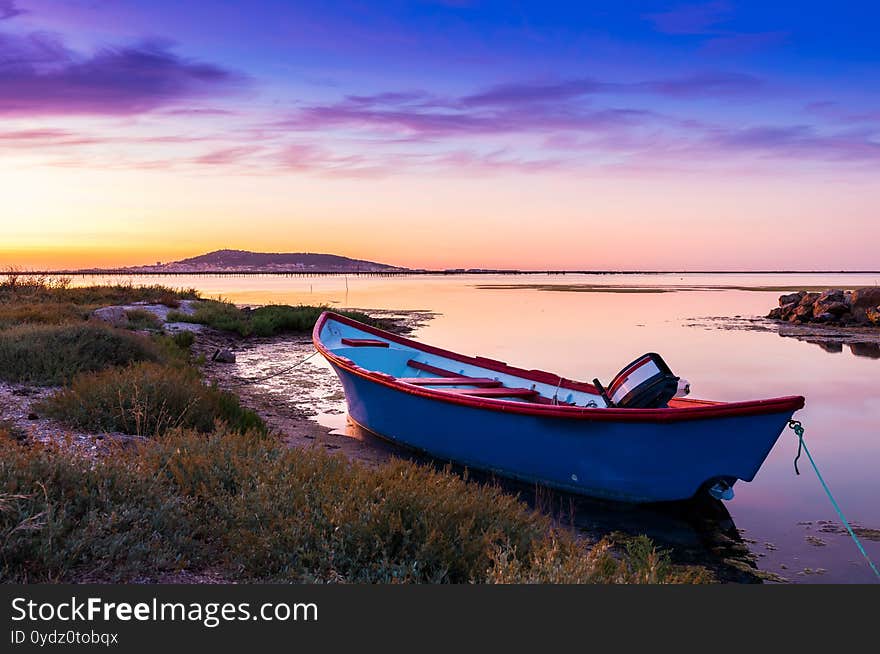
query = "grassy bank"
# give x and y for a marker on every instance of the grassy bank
(255, 511)
(40, 300)
(263, 321)
(147, 399)
(55, 354)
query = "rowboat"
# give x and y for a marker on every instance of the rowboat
(539, 427)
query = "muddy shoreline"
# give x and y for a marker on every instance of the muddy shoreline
(862, 341)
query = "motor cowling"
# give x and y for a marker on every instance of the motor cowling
(646, 383)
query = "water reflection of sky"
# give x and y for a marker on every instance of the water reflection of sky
(582, 335)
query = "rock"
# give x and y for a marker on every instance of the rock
(833, 301)
(808, 299)
(791, 298)
(832, 295)
(788, 309)
(863, 299)
(111, 315)
(802, 314)
(824, 317)
(873, 315)
(835, 308)
(223, 356)
(784, 312)
(32, 416)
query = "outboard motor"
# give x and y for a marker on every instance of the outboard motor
(646, 383)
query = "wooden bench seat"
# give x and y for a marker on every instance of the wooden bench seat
(364, 342)
(494, 392)
(451, 381)
(434, 370)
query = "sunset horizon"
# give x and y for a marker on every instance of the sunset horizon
(696, 136)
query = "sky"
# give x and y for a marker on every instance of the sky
(613, 135)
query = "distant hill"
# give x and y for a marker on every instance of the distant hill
(242, 260)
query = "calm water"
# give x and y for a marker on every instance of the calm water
(587, 334)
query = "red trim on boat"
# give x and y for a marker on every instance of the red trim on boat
(683, 409)
(364, 342)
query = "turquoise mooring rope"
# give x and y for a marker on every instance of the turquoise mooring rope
(799, 430)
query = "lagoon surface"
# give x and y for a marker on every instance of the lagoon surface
(585, 326)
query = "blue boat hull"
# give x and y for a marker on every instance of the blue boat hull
(626, 461)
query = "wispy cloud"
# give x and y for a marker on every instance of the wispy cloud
(838, 113)
(707, 22)
(531, 106)
(799, 141)
(710, 84)
(690, 19)
(508, 94)
(45, 137)
(39, 75)
(8, 9)
(228, 156)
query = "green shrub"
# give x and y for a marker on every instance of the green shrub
(263, 321)
(304, 515)
(40, 300)
(55, 354)
(147, 399)
(62, 515)
(16, 288)
(41, 313)
(141, 319)
(217, 314)
(254, 510)
(184, 339)
(9, 429)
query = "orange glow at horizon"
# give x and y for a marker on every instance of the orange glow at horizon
(71, 218)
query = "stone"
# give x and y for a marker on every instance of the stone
(832, 295)
(824, 317)
(784, 312)
(808, 299)
(223, 356)
(873, 315)
(111, 315)
(864, 299)
(791, 298)
(835, 308)
(802, 314)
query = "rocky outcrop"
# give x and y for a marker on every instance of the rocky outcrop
(832, 307)
(114, 316)
(863, 299)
